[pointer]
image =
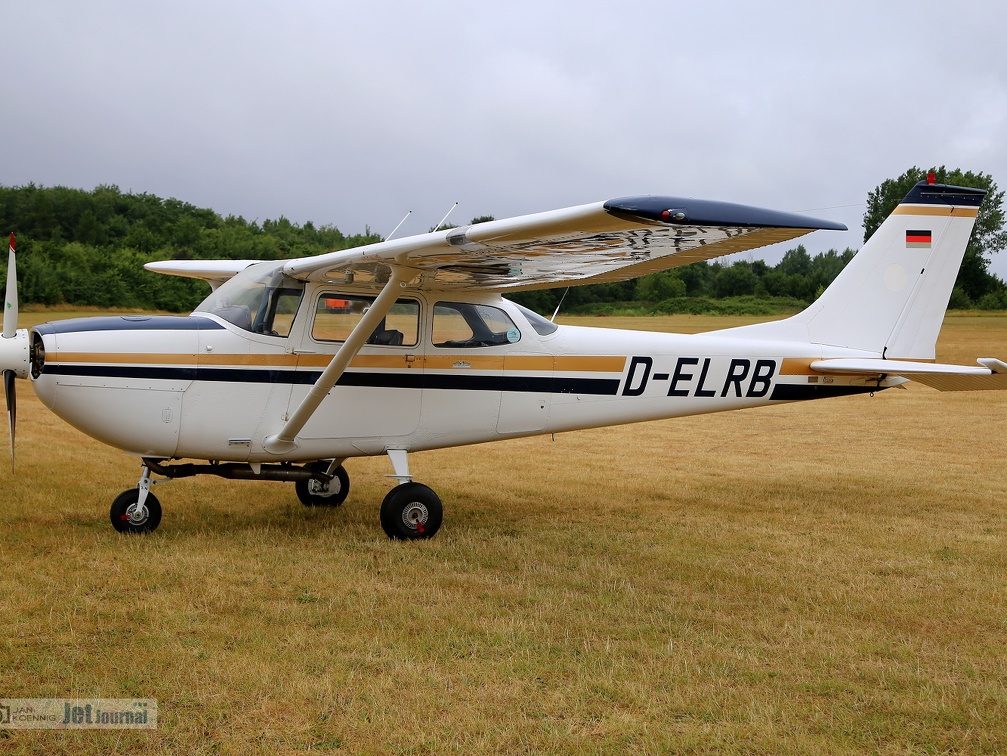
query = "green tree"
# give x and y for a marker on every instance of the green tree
(795, 262)
(988, 236)
(657, 287)
(735, 281)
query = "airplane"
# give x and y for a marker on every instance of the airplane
(291, 367)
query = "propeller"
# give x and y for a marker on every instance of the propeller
(8, 390)
(13, 348)
(10, 302)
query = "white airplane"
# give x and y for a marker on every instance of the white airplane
(291, 367)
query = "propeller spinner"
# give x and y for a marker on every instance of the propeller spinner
(13, 347)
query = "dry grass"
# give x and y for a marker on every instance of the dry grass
(827, 577)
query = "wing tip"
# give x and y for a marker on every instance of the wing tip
(694, 212)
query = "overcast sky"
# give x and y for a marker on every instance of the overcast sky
(352, 113)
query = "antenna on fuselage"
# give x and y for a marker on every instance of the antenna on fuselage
(556, 312)
(445, 217)
(398, 226)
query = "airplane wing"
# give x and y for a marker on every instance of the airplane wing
(992, 376)
(603, 241)
(214, 272)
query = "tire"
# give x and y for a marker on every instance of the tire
(410, 512)
(124, 507)
(314, 493)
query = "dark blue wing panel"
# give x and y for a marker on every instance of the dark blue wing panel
(695, 212)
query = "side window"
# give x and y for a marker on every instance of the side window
(336, 315)
(462, 325)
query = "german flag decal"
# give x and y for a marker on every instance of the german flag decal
(918, 239)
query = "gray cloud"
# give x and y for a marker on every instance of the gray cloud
(353, 113)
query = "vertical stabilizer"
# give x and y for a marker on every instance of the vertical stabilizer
(891, 297)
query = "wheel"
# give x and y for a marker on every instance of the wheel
(123, 513)
(314, 493)
(411, 511)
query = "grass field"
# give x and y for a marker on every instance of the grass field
(828, 577)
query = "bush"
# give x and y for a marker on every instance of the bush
(995, 300)
(660, 286)
(960, 300)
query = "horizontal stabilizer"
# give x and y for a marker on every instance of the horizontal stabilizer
(991, 377)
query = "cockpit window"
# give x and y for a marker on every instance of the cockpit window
(462, 325)
(337, 314)
(260, 299)
(542, 326)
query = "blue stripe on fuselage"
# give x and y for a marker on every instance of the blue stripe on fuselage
(410, 380)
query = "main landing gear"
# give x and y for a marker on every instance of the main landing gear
(410, 511)
(319, 492)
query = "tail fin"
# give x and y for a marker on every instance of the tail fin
(891, 297)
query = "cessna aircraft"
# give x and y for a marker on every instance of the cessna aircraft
(291, 367)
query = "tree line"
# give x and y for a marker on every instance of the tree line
(88, 248)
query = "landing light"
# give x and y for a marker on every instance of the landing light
(672, 215)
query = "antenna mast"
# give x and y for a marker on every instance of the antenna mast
(445, 216)
(556, 312)
(397, 227)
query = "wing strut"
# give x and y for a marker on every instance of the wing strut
(285, 440)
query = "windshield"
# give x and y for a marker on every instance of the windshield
(542, 326)
(259, 299)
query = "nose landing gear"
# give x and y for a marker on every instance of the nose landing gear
(136, 510)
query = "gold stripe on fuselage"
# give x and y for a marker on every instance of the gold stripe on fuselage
(516, 363)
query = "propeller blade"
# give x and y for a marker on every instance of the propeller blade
(10, 302)
(11, 395)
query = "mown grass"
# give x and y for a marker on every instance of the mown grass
(826, 577)
(743, 306)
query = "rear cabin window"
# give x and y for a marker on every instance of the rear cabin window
(336, 315)
(459, 325)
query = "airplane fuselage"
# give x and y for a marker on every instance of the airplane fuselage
(202, 387)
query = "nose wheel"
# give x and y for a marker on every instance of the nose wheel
(129, 516)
